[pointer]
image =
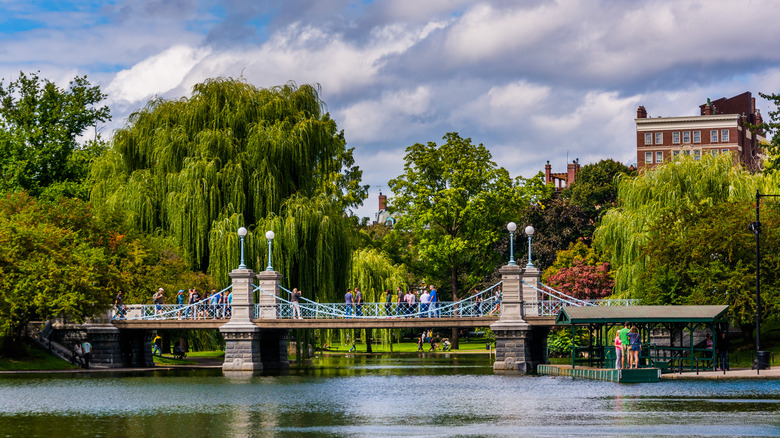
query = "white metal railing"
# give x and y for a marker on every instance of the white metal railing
(204, 309)
(473, 306)
(557, 300)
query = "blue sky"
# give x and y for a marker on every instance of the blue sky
(532, 80)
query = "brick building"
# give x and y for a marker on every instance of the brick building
(561, 180)
(721, 127)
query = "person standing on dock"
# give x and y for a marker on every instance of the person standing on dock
(618, 351)
(723, 351)
(624, 343)
(634, 346)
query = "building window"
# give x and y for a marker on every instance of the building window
(659, 138)
(687, 152)
(724, 135)
(696, 154)
(697, 136)
(714, 152)
(724, 151)
(686, 136)
(676, 137)
(648, 138)
(714, 136)
(659, 156)
(675, 154)
(648, 158)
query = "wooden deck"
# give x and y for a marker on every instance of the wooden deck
(640, 375)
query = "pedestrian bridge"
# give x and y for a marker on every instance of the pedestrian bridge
(478, 310)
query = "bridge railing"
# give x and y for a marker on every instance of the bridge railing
(474, 306)
(553, 300)
(201, 310)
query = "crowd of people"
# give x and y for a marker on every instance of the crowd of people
(433, 340)
(213, 305)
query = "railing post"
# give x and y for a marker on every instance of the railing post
(514, 350)
(269, 282)
(242, 336)
(532, 277)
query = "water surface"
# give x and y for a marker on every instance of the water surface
(380, 396)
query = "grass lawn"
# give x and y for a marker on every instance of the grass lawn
(35, 359)
(169, 360)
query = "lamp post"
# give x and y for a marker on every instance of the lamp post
(530, 231)
(270, 236)
(241, 235)
(511, 227)
(755, 227)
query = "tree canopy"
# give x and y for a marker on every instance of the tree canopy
(39, 126)
(235, 155)
(454, 203)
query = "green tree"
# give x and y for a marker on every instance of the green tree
(704, 254)
(596, 187)
(58, 258)
(39, 127)
(454, 204)
(772, 149)
(235, 155)
(558, 223)
(645, 201)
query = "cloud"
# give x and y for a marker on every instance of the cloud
(155, 75)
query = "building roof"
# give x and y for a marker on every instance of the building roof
(640, 314)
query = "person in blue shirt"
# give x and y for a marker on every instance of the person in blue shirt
(180, 301)
(348, 300)
(214, 301)
(433, 304)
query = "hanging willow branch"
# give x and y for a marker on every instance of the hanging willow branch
(658, 193)
(235, 155)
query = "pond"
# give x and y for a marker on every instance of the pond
(379, 395)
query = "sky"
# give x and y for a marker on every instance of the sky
(531, 80)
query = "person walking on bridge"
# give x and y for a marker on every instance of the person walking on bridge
(179, 302)
(399, 302)
(119, 305)
(358, 302)
(425, 300)
(388, 302)
(158, 302)
(295, 302)
(433, 304)
(348, 298)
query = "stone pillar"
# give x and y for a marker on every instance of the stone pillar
(242, 337)
(513, 347)
(531, 278)
(273, 343)
(106, 348)
(268, 282)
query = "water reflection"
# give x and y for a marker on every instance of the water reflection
(379, 395)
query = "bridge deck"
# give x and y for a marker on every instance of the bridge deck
(363, 323)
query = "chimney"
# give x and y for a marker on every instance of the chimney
(547, 173)
(382, 202)
(571, 172)
(641, 113)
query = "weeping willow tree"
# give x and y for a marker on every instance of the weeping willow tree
(235, 155)
(656, 195)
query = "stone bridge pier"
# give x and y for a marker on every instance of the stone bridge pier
(247, 347)
(520, 347)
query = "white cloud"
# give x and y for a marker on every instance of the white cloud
(155, 75)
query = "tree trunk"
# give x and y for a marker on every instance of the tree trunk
(166, 342)
(454, 286)
(369, 333)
